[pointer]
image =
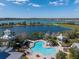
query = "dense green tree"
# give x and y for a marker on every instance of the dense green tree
(38, 23)
(11, 23)
(61, 55)
(24, 23)
(52, 40)
(74, 53)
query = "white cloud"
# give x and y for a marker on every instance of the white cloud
(22, 0)
(34, 5)
(2, 4)
(19, 1)
(76, 1)
(64, 2)
(56, 3)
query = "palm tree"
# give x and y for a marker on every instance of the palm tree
(74, 53)
(61, 55)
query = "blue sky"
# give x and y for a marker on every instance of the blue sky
(39, 8)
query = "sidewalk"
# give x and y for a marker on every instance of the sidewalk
(15, 55)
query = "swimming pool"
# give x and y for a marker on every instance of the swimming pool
(38, 48)
(4, 55)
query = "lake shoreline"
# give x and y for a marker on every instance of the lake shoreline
(7, 26)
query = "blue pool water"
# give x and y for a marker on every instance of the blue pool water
(3, 55)
(38, 48)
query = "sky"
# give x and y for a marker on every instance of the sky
(39, 8)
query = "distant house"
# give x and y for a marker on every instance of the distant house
(60, 37)
(6, 37)
(47, 34)
(6, 34)
(75, 45)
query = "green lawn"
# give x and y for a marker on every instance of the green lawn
(76, 27)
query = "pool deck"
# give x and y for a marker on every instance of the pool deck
(15, 55)
(3, 48)
(33, 56)
(41, 56)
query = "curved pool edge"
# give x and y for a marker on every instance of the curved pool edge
(56, 47)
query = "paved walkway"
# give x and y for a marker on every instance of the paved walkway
(8, 49)
(15, 55)
(3, 48)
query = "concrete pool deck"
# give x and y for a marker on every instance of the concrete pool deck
(3, 48)
(14, 55)
(33, 56)
(41, 56)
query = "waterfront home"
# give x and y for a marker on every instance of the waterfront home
(47, 34)
(75, 45)
(60, 37)
(6, 34)
(5, 38)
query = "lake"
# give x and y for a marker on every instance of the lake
(31, 29)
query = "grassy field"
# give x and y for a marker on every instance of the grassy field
(76, 27)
